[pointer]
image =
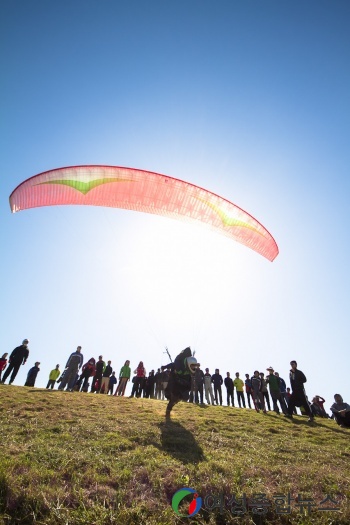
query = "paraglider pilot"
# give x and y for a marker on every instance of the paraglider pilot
(179, 384)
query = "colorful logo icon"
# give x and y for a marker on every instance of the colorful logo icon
(194, 506)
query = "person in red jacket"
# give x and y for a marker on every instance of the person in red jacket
(3, 363)
(88, 370)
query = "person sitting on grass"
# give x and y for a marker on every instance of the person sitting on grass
(341, 411)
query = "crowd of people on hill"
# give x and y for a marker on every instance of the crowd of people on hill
(182, 380)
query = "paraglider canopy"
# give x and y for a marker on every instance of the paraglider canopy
(139, 190)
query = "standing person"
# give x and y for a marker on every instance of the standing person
(158, 378)
(54, 375)
(149, 385)
(258, 396)
(165, 381)
(283, 388)
(33, 372)
(229, 389)
(208, 388)
(264, 390)
(88, 371)
(239, 384)
(124, 377)
(217, 381)
(248, 389)
(298, 397)
(18, 357)
(73, 365)
(112, 382)
(199, 384)
(134, 389)
(140, 381)
(341, 411)
(3, 363)
(105, 378)
(97, 379)
(274, 385)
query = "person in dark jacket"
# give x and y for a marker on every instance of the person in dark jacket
(18, 357)
(298, 397)
(229, 387)
(73, 365)
(179, 385)
(149, 385)
(105, 378)
(31, 377)
(97, 380)
(217, 381)
(112, 381)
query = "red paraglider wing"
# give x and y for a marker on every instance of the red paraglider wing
(144, 191)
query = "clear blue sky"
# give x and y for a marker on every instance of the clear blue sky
(248, 99)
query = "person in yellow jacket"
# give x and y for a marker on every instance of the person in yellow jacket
(239, 384)
(54, 375)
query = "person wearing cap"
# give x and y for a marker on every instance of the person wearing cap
(17, 358)
(33, 372)
(275, 391)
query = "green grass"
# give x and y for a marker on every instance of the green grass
(84, 459)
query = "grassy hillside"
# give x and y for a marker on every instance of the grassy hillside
(73, 458)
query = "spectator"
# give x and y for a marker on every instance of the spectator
(258, 396)
(239, 384)
(54, 375)
(288, 396)
(3, 363)
(112, 382)
(197, 383)
(248, 389)
(88, 370)
(97, 380)
(283, 388)
(106, 374)
(74, 364)
(208, 389)
(158, 379)
(298, 397)
(264, 390)
(149, 385)
(274, 385)
(229, 389)
(217, 381)
(135, 386)
(124, 377)
(18, 357)
(33, 372)
(341, 411)
(140, 381)
(317, 407)
(165, 381)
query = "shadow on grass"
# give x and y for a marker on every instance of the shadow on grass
(180, 443)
